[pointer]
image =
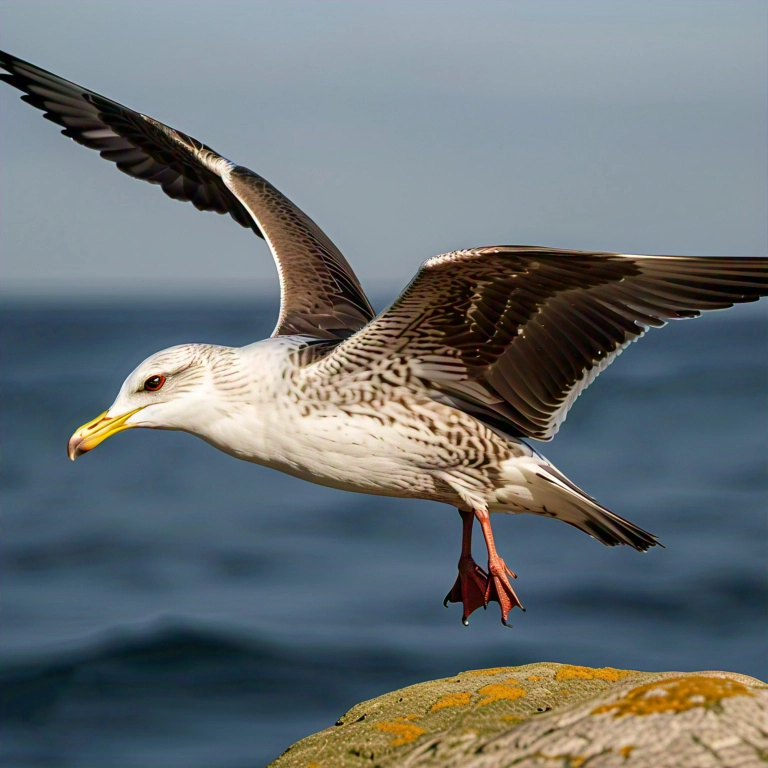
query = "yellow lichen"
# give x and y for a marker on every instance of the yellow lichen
(483, 672)
(675, 694)
(510, 689)
(452, 700)
(625, 752)
(567, 760)
(404, 731)
(569, 672)
(534, 678)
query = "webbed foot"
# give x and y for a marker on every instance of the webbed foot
(470, 588)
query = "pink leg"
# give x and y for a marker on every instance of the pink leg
(497, 585)
(471, 583)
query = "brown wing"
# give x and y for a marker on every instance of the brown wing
(320, 293)
(514, 333)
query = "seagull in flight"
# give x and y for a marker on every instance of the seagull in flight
(432, 398)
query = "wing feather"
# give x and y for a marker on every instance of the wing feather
(320, 294)
(515, 333)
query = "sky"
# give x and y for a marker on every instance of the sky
(405, 129)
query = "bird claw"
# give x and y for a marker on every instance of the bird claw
(469, 588)
(474, 587)
(499, 589)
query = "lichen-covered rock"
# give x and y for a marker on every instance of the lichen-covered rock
(553, 715)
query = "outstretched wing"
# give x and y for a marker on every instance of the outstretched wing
(320, 294)
(514, 334)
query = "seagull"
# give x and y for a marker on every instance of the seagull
(432, 398)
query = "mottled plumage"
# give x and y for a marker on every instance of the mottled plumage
(428, 400)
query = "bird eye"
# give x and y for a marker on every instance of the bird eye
(153, 383)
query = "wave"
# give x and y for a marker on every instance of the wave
(180, 662)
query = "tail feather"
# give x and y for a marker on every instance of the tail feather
(571, 505)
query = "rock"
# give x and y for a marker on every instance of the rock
(551, 715)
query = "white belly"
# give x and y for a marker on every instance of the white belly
(332, 448)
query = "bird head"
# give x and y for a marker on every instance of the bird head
(163, 392)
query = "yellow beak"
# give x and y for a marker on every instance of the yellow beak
(96, 431)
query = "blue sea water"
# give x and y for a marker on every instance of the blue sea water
(166, 605)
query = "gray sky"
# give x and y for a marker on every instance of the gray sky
(405, 129)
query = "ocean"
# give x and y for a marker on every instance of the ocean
(166, 605)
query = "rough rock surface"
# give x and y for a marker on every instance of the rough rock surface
(551, 715)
